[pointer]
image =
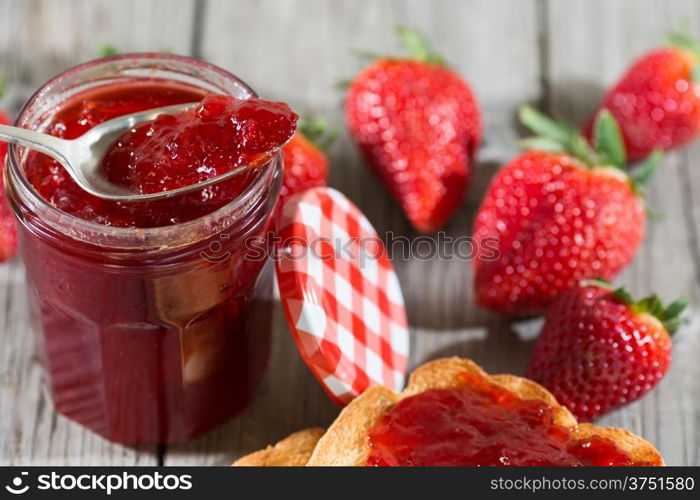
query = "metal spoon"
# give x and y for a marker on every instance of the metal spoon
(83, 156)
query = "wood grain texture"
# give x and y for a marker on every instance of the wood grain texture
(31, 433)
(40, 38)
(560, 54)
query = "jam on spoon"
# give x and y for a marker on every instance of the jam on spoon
(178, 154)
(179, 150)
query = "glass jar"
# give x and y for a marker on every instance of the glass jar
(148, 335)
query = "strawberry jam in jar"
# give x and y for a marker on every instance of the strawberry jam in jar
(152, 318)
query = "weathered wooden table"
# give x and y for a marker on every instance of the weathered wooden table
(557, 54)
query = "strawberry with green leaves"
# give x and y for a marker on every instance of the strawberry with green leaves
(657, 101)
(8, 230)
(600, 349)
(418, 125)
(305, 161)
(558, 214)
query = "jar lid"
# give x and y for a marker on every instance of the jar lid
(340, 295)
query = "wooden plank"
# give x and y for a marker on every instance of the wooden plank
(41, 38)
(559, 53)
(686, 384)
(31, 433)
(309, 49)
(38, 39)
(590, 45)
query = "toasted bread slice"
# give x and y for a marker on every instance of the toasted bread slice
(292, 451)
(346, 443)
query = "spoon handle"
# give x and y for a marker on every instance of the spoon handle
(58, 149)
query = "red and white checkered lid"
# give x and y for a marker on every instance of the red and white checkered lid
(340, 295)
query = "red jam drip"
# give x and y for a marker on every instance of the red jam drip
(178, 150)
(150, 166)
(481, 424)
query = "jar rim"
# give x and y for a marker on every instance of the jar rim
(135, 237)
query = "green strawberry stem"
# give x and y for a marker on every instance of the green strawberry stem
(315, 129)
(669, 316)
(106, 50)
(608, 148)
(597, 282)
(608, 140)
(415, 42)
(545, 127)
(645, 171)
(682, 39)
(2, 85)
(418, 46)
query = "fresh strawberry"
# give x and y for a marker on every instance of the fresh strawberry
(599, 349)
(8, 231)
(418, 125)
(557, 215)
(4, 120)
(657, 101)
(305, 163)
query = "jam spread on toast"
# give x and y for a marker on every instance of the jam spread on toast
(478, 424)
